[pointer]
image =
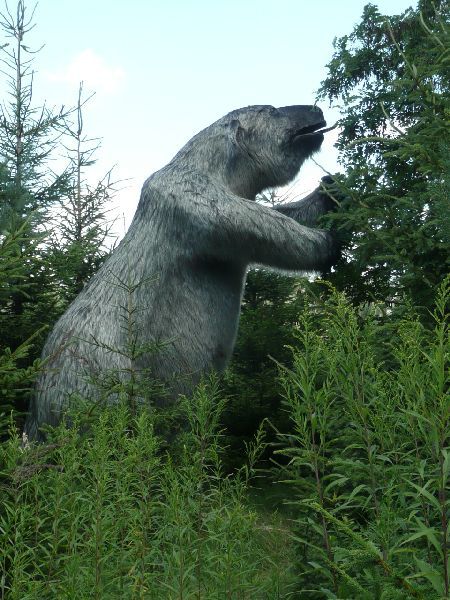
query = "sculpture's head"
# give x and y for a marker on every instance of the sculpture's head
(256, 147)
(269, 145)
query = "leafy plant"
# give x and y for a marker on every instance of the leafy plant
(111, 513)
(368, 453)
(390, 78)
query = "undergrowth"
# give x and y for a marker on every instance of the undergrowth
(113, 507)
(115, 513)
(369, 451)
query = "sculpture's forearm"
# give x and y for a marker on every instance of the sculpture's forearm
(308, 210)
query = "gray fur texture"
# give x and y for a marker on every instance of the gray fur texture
(195, 233)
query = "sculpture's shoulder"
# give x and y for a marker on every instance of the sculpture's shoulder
(181, 189)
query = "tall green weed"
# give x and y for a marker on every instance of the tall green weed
(369, 454)
(113, 512)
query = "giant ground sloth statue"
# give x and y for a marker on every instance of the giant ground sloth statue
(196, 230)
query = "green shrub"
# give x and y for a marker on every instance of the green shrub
(114, 513)
(369, 454)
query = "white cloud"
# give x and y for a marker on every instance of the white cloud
(92, 69)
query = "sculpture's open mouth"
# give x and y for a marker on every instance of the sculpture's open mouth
(313, 130)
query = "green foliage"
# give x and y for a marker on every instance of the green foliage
(369, 450)
(28, 141)
(15, 380)
(79, 241)
(28, 133)
(42, 265)
(111, 514)
(109, 508)
(16, 372)
(13, 260)
(269, 309)
(391, 79)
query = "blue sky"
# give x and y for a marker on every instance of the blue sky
(164, 69)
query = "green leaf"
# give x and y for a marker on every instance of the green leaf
(422, 490)
(423, 531)
(431, 575)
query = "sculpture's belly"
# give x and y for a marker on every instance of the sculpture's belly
(198, 311)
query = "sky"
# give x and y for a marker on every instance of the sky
(162, 70)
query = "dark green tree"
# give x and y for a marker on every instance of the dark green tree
(53, 226)
(269, 310)
(391, 79)
(29, 136)
(16, 370)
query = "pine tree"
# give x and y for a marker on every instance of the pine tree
(82, 223)
(390, 77)
(28, 139)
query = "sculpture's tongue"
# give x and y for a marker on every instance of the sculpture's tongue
(307, 131)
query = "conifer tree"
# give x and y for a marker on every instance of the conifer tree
(390, 77)
(29, 136)
(82, 224)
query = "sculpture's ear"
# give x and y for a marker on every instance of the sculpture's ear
(236, 147)
(236, 132)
